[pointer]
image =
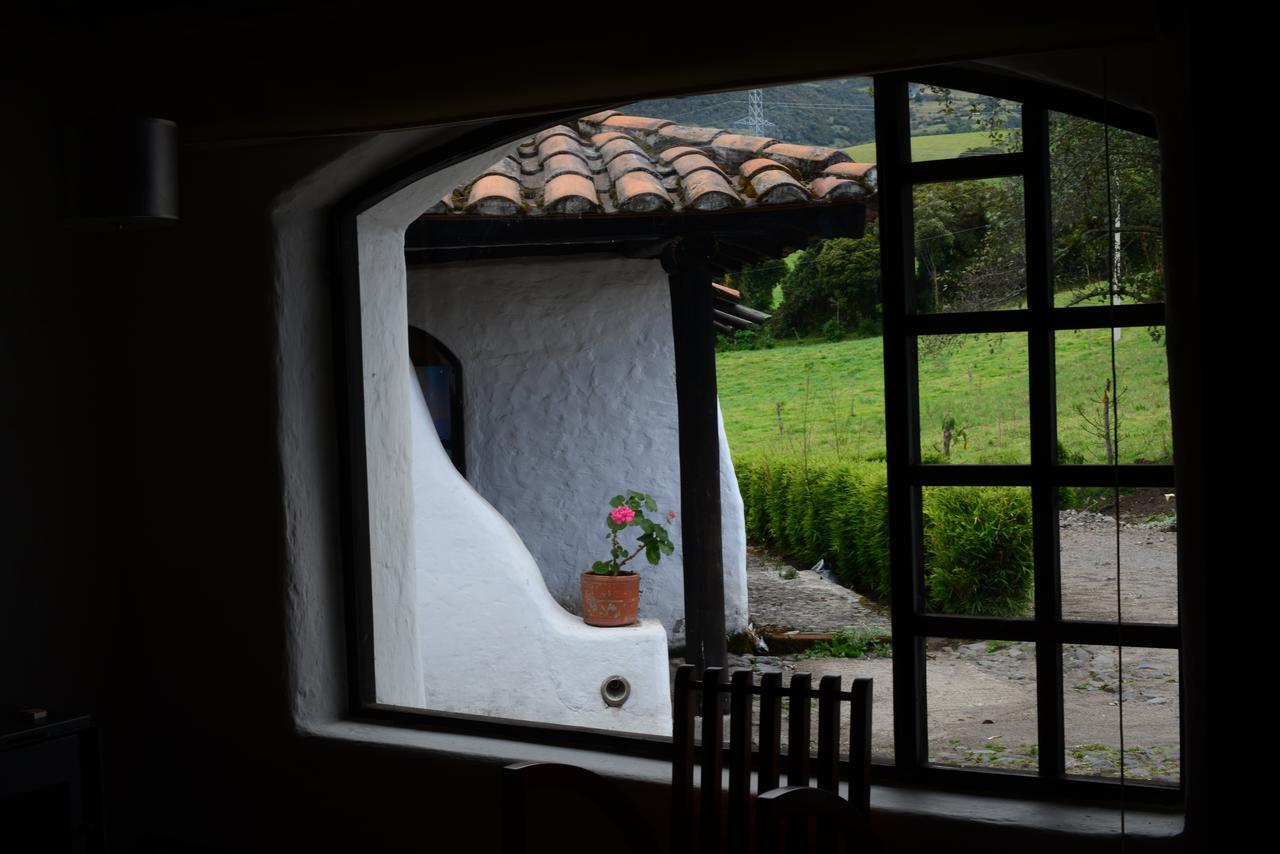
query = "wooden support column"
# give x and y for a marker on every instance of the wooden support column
(692, 314)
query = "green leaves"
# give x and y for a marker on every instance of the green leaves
(654, 540)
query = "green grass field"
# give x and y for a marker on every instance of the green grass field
(936, 147)
(831, 397)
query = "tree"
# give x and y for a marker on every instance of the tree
(756, 284)
(836, 280)
(1106, 199)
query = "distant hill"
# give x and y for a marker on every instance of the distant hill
(834, 113)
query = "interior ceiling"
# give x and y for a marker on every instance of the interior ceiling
(242, 76)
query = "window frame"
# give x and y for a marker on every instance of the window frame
(428, 351)
(901, 440)
(908, 476)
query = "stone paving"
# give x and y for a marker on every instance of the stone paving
(982, 694)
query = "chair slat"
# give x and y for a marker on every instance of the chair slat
(860, 745)
(829, 733)
(739, 760)
(682, 760)
(770, 768)
(712, 759)
(798, 731)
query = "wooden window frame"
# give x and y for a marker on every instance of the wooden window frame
(906, 474)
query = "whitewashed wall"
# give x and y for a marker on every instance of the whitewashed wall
(569, 380)
(493, 640)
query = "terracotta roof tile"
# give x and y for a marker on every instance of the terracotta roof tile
(734, 149)
(687, 135)
(609, 162)
(831, 187)
(599, 140)
(506, 166)
(864, 172)
(726, 290)
(626, 163)
(597, 118)
(753, 167)
(559, 130)
(636, 123)
(615, 147)
(570, 194)
(706, 190)
(641, 192)
(494, 195)
(686, 166)
(671, 155)
(560, 145)
(776, 186)
(810, 160)
(561, 164)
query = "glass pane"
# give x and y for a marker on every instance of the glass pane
(1148, 543)
(1091, 687)
(810, 381)
(982, 703)
(1101, 421)
(974, 404)
(970, 241)
(1105, 186)
(978, 551)
(950, 123)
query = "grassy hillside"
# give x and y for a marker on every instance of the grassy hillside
(832, 397)
(937, 147)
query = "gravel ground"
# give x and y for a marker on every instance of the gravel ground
(981, 694)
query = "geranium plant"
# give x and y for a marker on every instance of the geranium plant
(628, 511)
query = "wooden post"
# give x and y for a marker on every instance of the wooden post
(692, 307)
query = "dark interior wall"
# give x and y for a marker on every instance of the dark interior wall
(143, 535)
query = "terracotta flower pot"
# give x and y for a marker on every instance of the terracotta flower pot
(610, 600)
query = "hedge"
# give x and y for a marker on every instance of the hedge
(977, 539)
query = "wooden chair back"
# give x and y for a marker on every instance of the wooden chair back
(522, 778)
(728, 824)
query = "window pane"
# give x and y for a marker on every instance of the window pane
(982, 703)
(949, 123)
(820, 399)
(1092, 687)
(1105, 422)
(978, 551)
(1148, 544)
(970, 246)
(974, 405)
(1104, 230)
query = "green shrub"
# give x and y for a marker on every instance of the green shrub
(837, 512)
(978, 553)
(977, 541)
(853, 643)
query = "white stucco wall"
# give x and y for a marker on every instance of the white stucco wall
(462, 619)
(493, 640)
(569, 382)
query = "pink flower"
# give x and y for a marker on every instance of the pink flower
(671, 515)
(622, 514)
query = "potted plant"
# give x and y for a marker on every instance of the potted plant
(611, 594)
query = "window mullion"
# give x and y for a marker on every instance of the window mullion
(893, 154)
(1043, 398)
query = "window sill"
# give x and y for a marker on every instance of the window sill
(914, 817)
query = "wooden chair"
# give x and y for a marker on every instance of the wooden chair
(519, 779)
(707, 805)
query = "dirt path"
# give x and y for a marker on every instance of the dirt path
(982, 694)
